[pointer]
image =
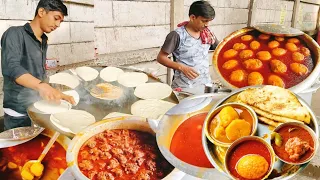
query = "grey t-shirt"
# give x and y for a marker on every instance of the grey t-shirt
(189, 51)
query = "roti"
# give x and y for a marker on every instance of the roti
(132, 79)
(110, 92)
(87, 73)
(275, 101)
(153, 91)
(48, 107)
(116, 114)
(64, 79)
(74, 120)
(151, 108)
(110, 74)
(74, 94)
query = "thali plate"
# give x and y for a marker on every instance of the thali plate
(281, 170)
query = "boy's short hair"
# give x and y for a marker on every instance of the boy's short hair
(202, 8)
(52, 5)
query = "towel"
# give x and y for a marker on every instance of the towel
(206, 35)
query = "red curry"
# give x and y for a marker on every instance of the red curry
(186, 143)
(292, 131)
(290, 78)
(31, 150)
(122, 154)
(245, 148)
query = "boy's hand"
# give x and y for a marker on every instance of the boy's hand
(49, 93)
(188, 71)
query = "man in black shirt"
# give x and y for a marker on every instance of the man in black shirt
(23, 58)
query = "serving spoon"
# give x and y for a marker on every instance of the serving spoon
(28, 164)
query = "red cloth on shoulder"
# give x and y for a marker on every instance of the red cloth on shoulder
(206, 35)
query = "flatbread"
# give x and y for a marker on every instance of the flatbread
(110, 74)
(268, 121)
(277, 101)
(64, 79)
(48, 107)
(274, 117)
(132, 79)
(57, 125)
(74, 94)
(153, 91)
(116, 114)
(151, 108)
(74, 120)
(87, 73)
(110, 92)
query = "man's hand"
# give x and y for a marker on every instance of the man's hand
(49, 93)
(188, 71)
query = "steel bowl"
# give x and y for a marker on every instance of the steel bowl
(127, 122)
(167, 127)
(305, 84)
(249, 138)
(312, 134)
(215, 111)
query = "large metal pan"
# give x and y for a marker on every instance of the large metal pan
(312, 79)
(97, 107)
(128, 122)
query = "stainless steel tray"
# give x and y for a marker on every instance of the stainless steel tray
(280, 170)
(97, 107)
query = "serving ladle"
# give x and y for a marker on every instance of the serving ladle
(28, 164)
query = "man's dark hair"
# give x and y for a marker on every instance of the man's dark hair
(202, 8)
(52, 5)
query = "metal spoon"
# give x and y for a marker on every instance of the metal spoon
(27, 165)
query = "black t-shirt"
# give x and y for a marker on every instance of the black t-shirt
(21, 53)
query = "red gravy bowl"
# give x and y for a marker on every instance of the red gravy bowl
(299, 143)
(250, 150)
(186, 142)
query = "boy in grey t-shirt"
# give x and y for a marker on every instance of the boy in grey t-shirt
(189, 45)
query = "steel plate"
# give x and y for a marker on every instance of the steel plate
(280, 169)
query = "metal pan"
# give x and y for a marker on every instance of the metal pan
(97, 107)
